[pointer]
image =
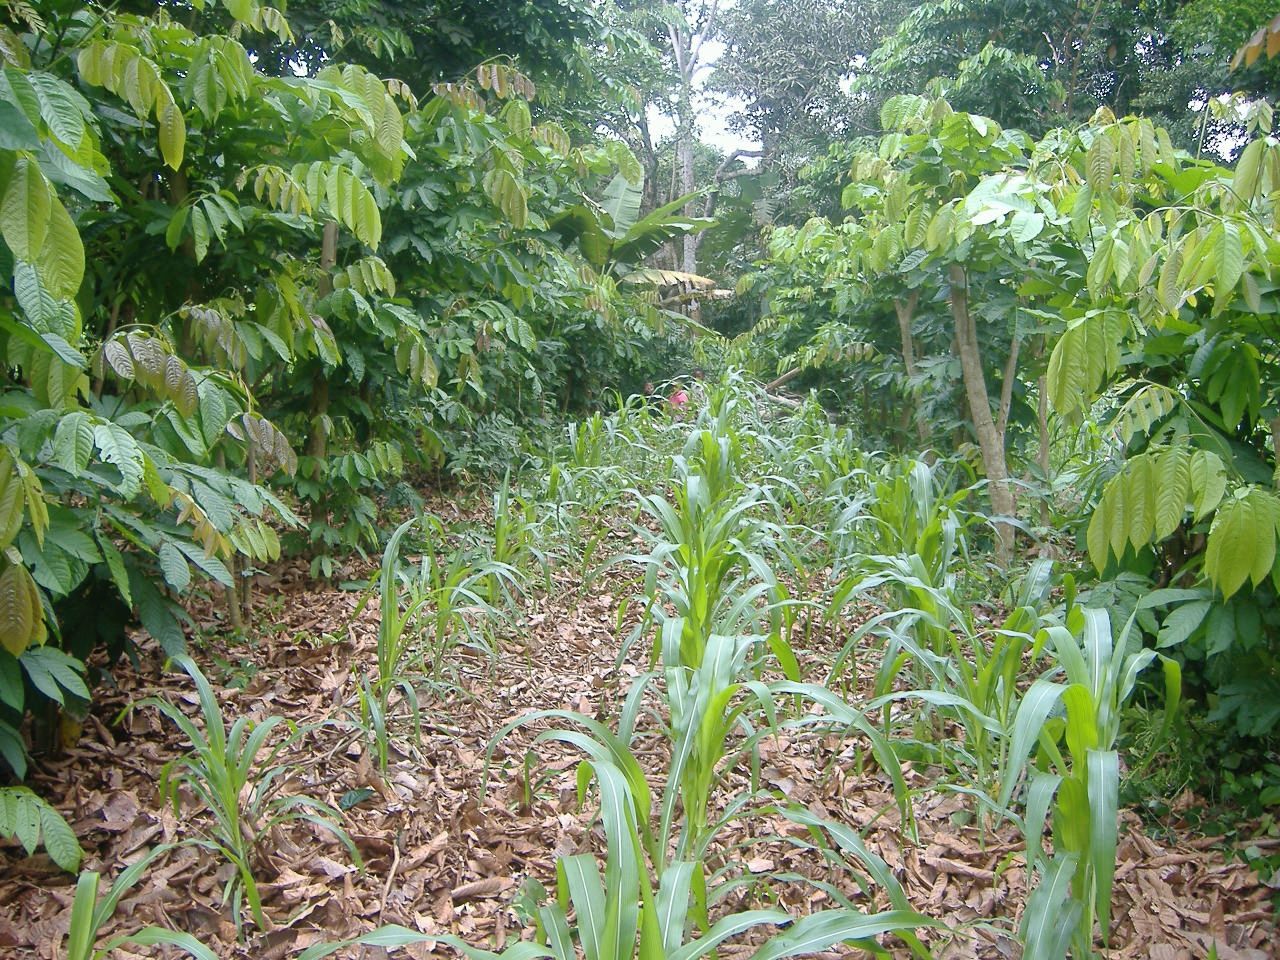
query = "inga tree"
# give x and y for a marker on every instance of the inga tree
(1181, 330)
(132, 444)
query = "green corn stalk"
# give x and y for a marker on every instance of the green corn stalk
(228, 774)
(453, 588)
(89, 916)
(514, 541)
(1080, 785)
(975, 681)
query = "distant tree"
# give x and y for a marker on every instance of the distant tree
(423, 41)
(1038, 64)
(790, 63)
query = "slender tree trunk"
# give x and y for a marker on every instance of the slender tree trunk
(318, 441)
(905, 309)
(990, 436)
(231, 594)
(1006, 388)
(1042, 452)
(649, 197)
(684, 148)
(1042, 427)
(684, 50)
(246, 581)
(100, 380)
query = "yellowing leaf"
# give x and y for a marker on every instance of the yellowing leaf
(173, 133)
(1100, 163)
(502, 188)
(10, 499)
(20, 612)
(1242, 541)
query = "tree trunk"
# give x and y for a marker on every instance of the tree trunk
(990, 436)
(684, 49)
(684, 148)
(1042, 452)
(318, 440)
(905, 309)
(649, 197)
(231, 594)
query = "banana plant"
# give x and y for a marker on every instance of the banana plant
(614, 238)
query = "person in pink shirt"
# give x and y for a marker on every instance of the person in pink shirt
(679, 399)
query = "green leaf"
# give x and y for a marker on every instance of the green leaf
(1208, 482)
(1230, 260)
(1051, 914)
(73, 442)
(151, 936)
(1242, 542)
(1182, 622)
(51, 671)
(819, 931)
(62, 109)
(117, 447)
(177, 224)
(25, 210)
(115, 566)
(174, 566)
(61, 259)
(59, 839)
(580, 877)
(16, 131)
(199, 233)
(173, 132)
(1029, 721)
(621, 202)
(1104, 793)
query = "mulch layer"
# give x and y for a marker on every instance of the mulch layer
(448, 839)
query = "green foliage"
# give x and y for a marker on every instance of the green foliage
(1081, 784)
(89, 916)
(1099, 264)
(34, 823)
(222, 276)
(239, 785)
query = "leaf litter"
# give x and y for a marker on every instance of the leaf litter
(448, 840)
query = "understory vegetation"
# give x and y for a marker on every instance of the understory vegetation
(933, 447)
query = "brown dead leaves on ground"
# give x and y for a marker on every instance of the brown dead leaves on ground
(450, 836)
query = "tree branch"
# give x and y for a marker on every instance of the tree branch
(721, 175)
(1006, 387)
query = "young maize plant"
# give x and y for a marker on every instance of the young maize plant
(395, 640)
(238, 786)
(89, 916)
(974, 681)
(1072, 899)
(654, 898)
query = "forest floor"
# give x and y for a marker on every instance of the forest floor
(444, 855)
